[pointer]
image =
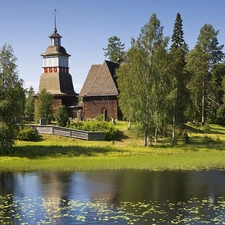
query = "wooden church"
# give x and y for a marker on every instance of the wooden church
(100, 92)
(56, 78)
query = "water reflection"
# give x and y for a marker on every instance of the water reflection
(126, 196)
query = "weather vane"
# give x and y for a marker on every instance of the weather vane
(55, 12)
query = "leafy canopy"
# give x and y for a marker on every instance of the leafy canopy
(12, 97)
(44, 106)
(141, 80)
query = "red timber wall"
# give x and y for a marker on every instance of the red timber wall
(94, 106)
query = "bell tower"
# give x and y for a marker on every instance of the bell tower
(56, 78)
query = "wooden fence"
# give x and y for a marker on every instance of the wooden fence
(67, 132)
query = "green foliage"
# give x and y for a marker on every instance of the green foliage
(8, 133)
(141, 81)
(101, 118)
(208, 139)
(61, 116)
(93, 125)
(27, 133)
(115, 50)
(44, 106)
(216, 90)
(179, 93)
(186, 138)
(178, 35)
(200, 62)
(29, 104)
(12, 97)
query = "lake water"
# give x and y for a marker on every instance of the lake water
(112, 197)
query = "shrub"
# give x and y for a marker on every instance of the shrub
(61, 116)
(27, 134)
(207, 140)
(93, 125)
(186, 138)
(100, 118)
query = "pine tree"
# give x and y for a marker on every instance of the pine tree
(200, 61)
(115, 50)
(215, 93)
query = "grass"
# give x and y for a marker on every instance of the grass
(205, 151)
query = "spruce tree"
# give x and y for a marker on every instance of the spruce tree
(179, 93)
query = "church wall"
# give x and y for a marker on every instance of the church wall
(56, 103)
(94, 106)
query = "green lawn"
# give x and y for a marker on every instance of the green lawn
(206, 150)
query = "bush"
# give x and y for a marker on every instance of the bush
(207, 140)
(109, 128)
(100, 118)
(186, 138)
(61, 116)
(27, 134)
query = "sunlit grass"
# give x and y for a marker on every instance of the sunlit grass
(205, 151)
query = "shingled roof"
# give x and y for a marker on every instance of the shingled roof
(101, 80)
(55, 50)
(57, 83)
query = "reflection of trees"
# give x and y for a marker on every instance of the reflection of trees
(153, 186)
(55, 185)
(103, 185)
(7, 186)
(174, 189)
(6, 183)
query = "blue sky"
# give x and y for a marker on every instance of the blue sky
(87, 24)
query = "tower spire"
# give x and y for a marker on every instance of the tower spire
(55, 29)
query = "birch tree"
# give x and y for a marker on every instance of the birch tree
(143, 82)
(12, 97)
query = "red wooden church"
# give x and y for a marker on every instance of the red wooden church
(100, 92)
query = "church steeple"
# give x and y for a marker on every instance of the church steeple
(56, 64)
(55, 37)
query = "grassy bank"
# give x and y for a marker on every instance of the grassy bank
(205, 151)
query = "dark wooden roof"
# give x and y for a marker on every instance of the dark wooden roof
(57, 83)
(55, 50)
(101, 80)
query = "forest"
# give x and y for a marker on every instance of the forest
(163, 83)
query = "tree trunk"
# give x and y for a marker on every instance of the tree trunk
(203, 100)
(146, 140)
(146, 136)
(173, 131)
(155, 138)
